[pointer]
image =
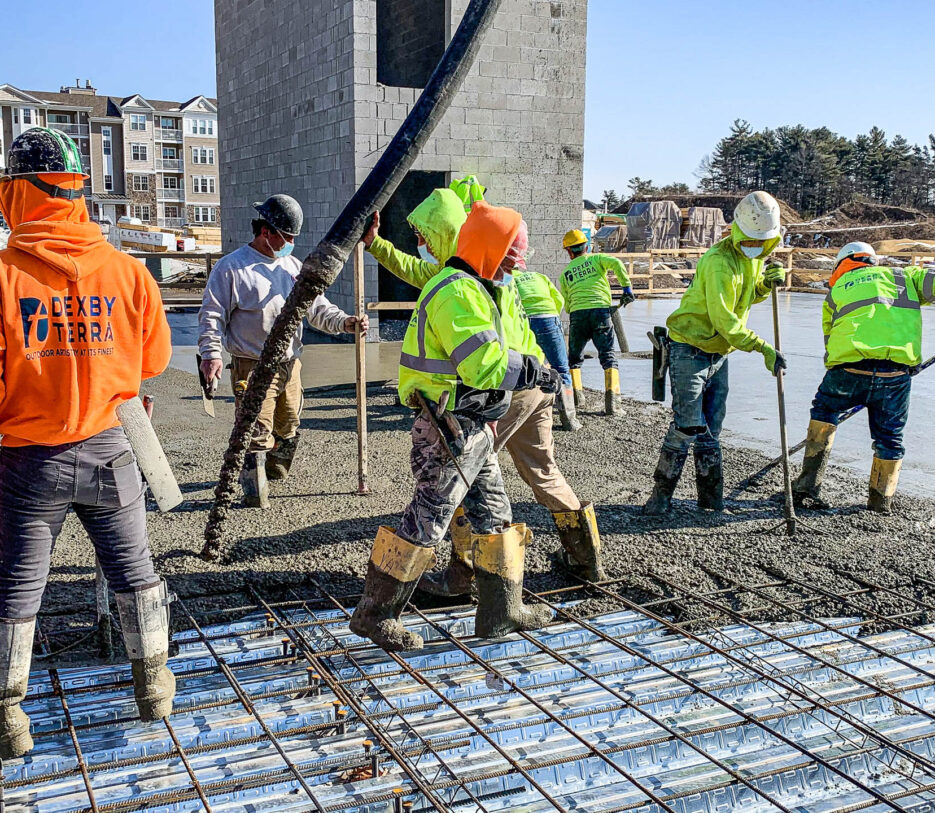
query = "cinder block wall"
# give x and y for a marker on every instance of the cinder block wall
(302, 112)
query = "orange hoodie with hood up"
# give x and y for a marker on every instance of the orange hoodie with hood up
(81, 324)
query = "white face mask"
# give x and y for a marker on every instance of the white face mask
(752, 251)
(426, 255)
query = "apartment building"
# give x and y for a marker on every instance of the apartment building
(147, 158)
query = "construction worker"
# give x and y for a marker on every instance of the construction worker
(709, 323)
(543, 303)
(469, 190)
(586, 289)
(245, 293)
(873, 339)
(82, 326)
(456, 366)
(526, 429)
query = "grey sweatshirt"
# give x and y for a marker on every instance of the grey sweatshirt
(244, 295)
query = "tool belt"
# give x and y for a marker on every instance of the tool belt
(659, 338)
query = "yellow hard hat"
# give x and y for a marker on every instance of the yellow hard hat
(575, 237)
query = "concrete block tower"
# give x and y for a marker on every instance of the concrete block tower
(310, 92)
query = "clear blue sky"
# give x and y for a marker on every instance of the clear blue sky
(665, 77)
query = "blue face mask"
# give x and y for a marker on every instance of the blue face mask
(752, 251)
(507, 279)
(285, 251)
(426, 255)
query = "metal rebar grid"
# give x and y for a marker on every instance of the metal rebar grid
(627, 710)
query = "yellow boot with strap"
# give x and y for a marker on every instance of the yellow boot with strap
(457, 578)
(884, 477)
(578, 388)
(581, 542)
(806, 490)
(612, 391)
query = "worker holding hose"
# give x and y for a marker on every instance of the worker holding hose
(526, 428)
(458, 370)
(81, 325)
(710, 323)
(872, 324)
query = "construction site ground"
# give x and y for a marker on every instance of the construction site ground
(319, 526)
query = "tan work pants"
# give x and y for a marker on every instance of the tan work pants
(282, 405)
(532, 448)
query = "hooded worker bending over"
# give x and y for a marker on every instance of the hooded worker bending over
(245, 293)
(873, 339)
(527, 425)
(456, 362)
(81, 325)
(586, 289)
(710, 323)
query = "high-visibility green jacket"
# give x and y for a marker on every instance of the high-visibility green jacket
(539, 296)
(584, 282)
(469, 190)
(439, 219)
(712, 315)
(874, 313)
(456, 335)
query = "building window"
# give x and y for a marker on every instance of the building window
(169, 124)
(106, 140)
(137, 121)
(27, 115)
(139, 152)
(203, 184)
(202, 126)
(141, 183)
(205, 214)
(109, 183)
(172, 212)
(141, 212)
(407, 53)
(16, 115)
(59, 118)
(202, 155)
(170, 182)
(170, 153)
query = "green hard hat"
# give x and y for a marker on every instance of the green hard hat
(41, 149)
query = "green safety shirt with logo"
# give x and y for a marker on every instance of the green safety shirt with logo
(539, 296)
(456, 334)
(584, 283)
(874, 312)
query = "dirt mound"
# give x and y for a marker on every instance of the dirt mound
(859, 213)
(726, 203)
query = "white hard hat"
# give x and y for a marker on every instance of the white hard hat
(758, 216)
(855, 249)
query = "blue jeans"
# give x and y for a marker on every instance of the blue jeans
(548, 330)
(592, 324)
(699, 398)
(886, 401)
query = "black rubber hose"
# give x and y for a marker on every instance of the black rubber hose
(323, 265)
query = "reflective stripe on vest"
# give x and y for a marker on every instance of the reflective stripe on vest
(903, 300)
(423, 364)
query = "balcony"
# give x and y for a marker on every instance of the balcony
(73, 130)
(170, 194)
(165, 134)
(169, 165)
(172, 222)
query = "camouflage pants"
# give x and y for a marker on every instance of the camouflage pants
(440, 489)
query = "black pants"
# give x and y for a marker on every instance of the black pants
(593, 325)
(100, 480)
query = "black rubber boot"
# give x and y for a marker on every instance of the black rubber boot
(666, 478)
(393, 572)
(457, 578)
(253, 481)
(884, 477)
(566, 410)
(279, 458)
(581, 542)
(806, 489)
(709, 479)
(499, 561)
(144, 618)
(16, 637)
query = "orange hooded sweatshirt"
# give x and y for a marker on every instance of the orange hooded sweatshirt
(81, 324)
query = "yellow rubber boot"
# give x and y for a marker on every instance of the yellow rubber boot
(581, 542)
(499, 562)
(394, 570)
(457, 578)
(884, 477)
(612, 391)
(806, 490)
(578, 388)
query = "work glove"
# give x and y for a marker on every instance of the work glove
(628, 297)
(774, 275)
(775, 361)
(549, 380)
